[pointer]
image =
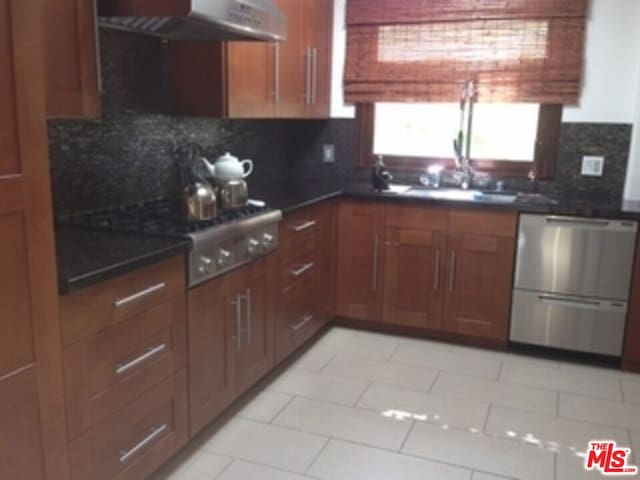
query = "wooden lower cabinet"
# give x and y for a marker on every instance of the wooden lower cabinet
(360, 260)
(414, 278)
(631, 356)
(478, 285)
(230, 331)
(134, 442)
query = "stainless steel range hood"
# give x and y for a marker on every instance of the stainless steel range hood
(255, 20)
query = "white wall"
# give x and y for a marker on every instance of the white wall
(612, 68)
(632, 190)
(338, 108)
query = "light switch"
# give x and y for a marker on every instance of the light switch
(329, 153)
(592, 166)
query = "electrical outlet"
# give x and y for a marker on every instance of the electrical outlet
(592, 166)
(329, 153)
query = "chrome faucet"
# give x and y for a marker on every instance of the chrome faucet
(462, 144)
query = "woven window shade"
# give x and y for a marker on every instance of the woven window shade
(424, 50)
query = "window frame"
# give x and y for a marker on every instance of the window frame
(543, 165)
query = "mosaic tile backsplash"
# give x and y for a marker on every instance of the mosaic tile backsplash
(127, 155)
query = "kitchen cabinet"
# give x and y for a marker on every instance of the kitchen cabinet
(32, 412)
(291, 79)
(125, 356)
(631, 356)
(307, 276)
(443, 270)
(413, 280)
(230, 338)
(360, 260)
(72, 59)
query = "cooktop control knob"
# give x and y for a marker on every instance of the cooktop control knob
(225, 258)
(268, 241)
(253, 247)
(206, 265)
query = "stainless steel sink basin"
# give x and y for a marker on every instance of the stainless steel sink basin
(455, 194)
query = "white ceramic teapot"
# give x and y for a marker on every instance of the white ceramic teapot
(228, 167)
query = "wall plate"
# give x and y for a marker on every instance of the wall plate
(592, 166)
(329, 153)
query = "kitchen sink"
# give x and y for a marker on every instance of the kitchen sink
(455, 194)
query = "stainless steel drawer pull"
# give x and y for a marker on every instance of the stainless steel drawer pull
(249, 314)
(578, 221)
(436, 273)
(305, 320)
(125, 455)
(137, 296)
(121, 369)
(303, 269)
(304, 226)
(238, 304)
(452, 274)
(553, 300)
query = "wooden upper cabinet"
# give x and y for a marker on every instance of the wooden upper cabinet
(360, 260)
(291, 79)
(413, 277)
(71, 58)
(317, 20)
(32, 412)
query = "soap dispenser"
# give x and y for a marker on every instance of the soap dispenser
(380, 176)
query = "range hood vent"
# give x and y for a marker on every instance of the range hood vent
(237, 20)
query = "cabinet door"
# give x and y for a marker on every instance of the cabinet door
(317, 21)
(212, 350)
(250, 80)
(32, 412)
(290, 64)
(361, 230)
(325, 290)
(479, 283)
(72, 58)
(255, 313)
(413, 280)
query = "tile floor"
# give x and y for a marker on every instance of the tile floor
(366, 406)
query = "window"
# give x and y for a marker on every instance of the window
(412, 136)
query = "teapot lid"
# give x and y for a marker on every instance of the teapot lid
(227, 156)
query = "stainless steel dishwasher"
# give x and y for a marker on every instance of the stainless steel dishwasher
(572, 283)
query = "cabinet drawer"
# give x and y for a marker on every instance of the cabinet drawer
(497, 224)
(298, 234)
(298, 320)
(134, 442)
(94, 309)
(418, 217)
(298, 270)
(110, 369)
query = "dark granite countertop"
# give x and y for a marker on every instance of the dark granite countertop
(292, 194)
(86, 257)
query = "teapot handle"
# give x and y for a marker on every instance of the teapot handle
(247, 171)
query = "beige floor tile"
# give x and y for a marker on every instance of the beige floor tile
(631, 391)
(487, 476)
(382, 372)
(319, 386)
(402, 403)
(265, 406)
(498, 393)
(549, 432)
(266, 444)
(476, 451)
(194, 465)
(346, 461)
(240, 470)
(534, 375)
(447, 361)
(346, 423)
(571, 467)
(616, 414)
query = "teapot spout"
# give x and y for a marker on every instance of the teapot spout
(210, 167)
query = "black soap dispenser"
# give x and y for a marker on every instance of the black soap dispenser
(380, 176)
